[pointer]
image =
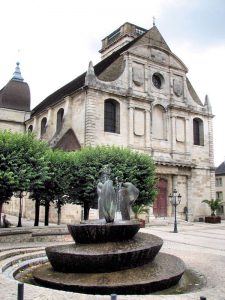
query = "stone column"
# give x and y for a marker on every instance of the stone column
(189, 199)
(211, 158)
(90, 117)
(131, 126)
(212, 184)
(147, 129)
(173, 134)
(146, 83)
(174, 182)
(187, 136)
(130, 75)
(211, 148)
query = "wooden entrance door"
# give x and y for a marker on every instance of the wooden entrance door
(160, 205)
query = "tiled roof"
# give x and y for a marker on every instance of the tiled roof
(221, 169)
(78, 82)
(15, 95)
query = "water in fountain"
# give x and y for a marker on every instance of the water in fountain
(111, 256)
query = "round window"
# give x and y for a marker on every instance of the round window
(157, 80)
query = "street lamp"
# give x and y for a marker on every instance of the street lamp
(175, 199)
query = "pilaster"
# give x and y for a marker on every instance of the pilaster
(173, 134)
(187, 135)
(189, 199)
(147, 129)
(131, 125)
(90, 116)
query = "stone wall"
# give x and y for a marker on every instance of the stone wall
(71, 213)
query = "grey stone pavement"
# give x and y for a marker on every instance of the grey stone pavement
(200, 245)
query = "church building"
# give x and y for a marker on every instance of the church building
(137, 96)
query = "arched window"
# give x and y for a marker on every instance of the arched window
(59, 121)
(159, 122)
(30, 128)
(43, 125)
(198, 132)
(112, 116)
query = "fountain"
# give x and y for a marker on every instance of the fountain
(110, 255)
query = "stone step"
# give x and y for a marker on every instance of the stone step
(14, 271)
(18, 258)
(7, 253)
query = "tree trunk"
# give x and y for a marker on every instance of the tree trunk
(86, 210)
(1, 205)
(20, 213)
(59, 212)
(47, 205)
(37, 212)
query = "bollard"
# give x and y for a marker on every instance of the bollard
(20, 291)
(113, 296)
(203, 298)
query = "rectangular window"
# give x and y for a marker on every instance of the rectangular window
(219, 195)
(219, 181)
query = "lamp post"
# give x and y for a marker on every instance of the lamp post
(175, 199)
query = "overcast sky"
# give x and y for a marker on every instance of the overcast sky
(54, 40)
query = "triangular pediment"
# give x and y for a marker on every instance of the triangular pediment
(152, 46)
(153, 38)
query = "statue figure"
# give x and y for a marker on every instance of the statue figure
(100, 204)
(107, 200)
(127, 196)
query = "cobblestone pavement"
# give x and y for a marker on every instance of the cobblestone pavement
(200, 245)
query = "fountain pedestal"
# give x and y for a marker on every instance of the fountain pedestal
(110, 258)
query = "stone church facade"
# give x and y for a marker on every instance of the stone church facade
(137, 96)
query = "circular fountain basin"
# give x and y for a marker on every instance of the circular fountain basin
(161, 273)
(104, 257)
(100, 231)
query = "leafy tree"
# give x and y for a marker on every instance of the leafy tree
(126, 166)
(22, 156)
(5, 189)
(60, 180)
(55, 187)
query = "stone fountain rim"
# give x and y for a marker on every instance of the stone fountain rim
(158, 239)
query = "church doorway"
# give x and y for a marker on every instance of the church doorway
(160, 204)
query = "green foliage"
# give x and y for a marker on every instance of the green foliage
(22, 161)
(139, 209)
(27, 164)
(55, 186)
(22, 164)
(125, 164)
(214, 205)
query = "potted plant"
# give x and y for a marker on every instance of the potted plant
(139, 209)
(213, 205)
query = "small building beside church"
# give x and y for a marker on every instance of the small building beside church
(137, 96)
(220, 186)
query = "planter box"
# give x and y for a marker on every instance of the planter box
(213, 219)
